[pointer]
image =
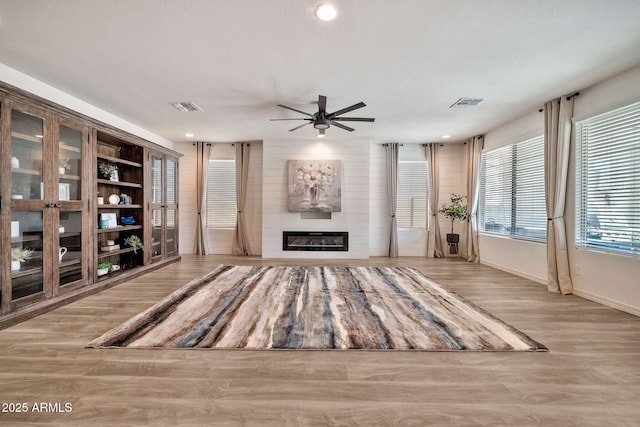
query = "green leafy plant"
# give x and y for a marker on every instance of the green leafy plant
(105, 265)
(135, 242)
(107, 169)
(455, 209)
(22, 255)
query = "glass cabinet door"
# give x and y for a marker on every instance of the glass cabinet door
(27, 156)
(68, 256)
(28, 248)
(171, 206)
(157, 208)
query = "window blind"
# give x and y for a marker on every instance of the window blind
(608, 181)
(512, 200)
(221, 194)
(411, 208)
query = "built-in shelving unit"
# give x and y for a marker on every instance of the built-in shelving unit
(54, 201)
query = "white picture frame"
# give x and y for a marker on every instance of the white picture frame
(112, 221)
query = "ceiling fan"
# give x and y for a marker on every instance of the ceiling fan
(323, 120)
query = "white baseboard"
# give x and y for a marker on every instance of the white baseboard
(541, 280)
(608, 302)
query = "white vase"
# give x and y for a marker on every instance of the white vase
(61, 171)
(15, 265)
(102, 271)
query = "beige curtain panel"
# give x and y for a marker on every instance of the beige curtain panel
(240, 238)
(557, 144)
(202, 158)
(392, 191)
(473, 156)
(435, 240)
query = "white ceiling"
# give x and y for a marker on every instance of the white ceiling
(407, 60)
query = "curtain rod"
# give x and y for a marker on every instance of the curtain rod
(569, 98)
(386, 145)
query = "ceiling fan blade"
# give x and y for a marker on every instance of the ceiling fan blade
(354, 119)
(322, 104)
(277, 120)
(346, 110)
(297, 111)
(341, 126)
(298, 127)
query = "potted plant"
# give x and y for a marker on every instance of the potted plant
(20, 191)
(454, 210)
(108, 171)
(135, 242)
(63, 166)
(103, 268)
(18, 256)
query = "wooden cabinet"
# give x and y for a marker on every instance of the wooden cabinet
(63, 217)
(45, 221)
(163, 206)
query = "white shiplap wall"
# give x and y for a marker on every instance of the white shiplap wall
(354, 217)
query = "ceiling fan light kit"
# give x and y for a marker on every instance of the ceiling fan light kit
(322, 120)
(326, 12)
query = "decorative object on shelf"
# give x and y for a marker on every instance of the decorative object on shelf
(63, 166)
(18, 256)
(114, 199)
(135, 242)
(110, 218)
(15, 229)
(115, 267)
(108, 171)
(15, 163)
(454, 210)
(20, 191)
(125, 199)
(103, 268)
(61, 252)
(127, 220)
(100, 199)
(315, 186)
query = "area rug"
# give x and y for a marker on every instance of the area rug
(368, 308)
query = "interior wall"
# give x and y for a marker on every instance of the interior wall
(219, 241)
(354, 216)
(36, 87)
(522, 257)
(412, 242)
(608, 278)
(597, 275)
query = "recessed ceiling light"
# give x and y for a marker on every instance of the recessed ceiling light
(326, 12)
(189, 135)
(446, 136)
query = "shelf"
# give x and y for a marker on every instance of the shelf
(108, 254)
(26, 137)
(23, 239)
(66, 147)
(118, 183)
(69, 263)
(120, 228)
(119, 160)
(70, 234)
(119, 206)
(71, 177)
(23, 171)
(25, 272)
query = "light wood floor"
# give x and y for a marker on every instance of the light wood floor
(590, 377)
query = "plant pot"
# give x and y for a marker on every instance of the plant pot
(453, 238)
(61, 171)
(102, 271)
(15, 265)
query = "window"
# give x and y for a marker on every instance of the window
(221, 194)
(608, 181)
(411, 209)
(512, 200)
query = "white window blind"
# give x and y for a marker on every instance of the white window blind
(608, 181)
(411, 208)
(221, 194)
(512, 198)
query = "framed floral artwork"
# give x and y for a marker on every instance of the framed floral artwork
(315, 186)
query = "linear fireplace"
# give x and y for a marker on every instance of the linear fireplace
(315, 241)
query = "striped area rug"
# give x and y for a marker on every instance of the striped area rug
(374, 308)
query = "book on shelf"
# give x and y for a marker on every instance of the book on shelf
(107, 248)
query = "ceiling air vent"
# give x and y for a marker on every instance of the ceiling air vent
(466, 102)
(186, 107)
